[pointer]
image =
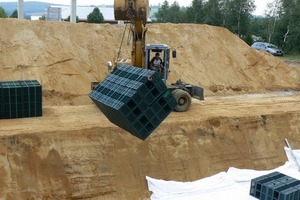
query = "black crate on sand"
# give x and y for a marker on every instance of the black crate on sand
(134, 99)
(20, 99)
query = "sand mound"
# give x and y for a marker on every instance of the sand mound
(66, 57)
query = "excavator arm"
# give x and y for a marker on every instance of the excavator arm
(138, 104)
(136, 12)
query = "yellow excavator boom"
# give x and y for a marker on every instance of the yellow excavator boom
(136, 12)
(138, 100)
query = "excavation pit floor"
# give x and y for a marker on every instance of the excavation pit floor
(75, 152)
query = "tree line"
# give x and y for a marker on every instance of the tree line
(280, 25)
(3, 14)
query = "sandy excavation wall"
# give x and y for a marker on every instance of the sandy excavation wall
(107, 163)
(53, 158)
(66, 57)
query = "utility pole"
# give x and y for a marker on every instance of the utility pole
(73, 11)
(20, 9)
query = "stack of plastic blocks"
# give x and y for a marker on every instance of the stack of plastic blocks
(20, 99)
(135, 99)
(275, 186)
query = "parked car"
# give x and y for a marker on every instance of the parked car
(270, 48)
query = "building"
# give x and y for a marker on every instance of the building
(83, 11)
(53, 14)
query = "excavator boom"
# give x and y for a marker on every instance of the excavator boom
(131, 10)
(136, 12)
(135, 97)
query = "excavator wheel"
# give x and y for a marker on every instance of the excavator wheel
(183, 99)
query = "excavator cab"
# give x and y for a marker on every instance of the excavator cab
(183, 92)
(164, 51)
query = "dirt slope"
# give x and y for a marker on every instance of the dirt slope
(66, 57)
(74, 152)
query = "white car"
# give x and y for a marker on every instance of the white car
(270, 48)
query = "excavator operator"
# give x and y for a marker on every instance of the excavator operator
(156, 63)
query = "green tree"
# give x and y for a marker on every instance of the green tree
(248, 39)
(195, 12)
(238, 16)
(272, 17)
(176, 14)
(173, 13)
(258, 28)
(225, 10)
(14, 14)
(212, 13)
(295, 32)
(69, 19)
(290, 26)
(2, 13)
(95, 16)
(42, 18)
(162, 13)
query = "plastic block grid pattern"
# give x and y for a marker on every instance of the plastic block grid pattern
(129, 100)
(275, 186)
(20, 99)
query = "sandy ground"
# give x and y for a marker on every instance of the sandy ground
(67, 118)
(73, 152)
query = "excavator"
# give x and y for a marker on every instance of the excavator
(136, 13)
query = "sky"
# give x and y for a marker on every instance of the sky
(260, 4)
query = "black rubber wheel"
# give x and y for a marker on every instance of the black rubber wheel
(183, 100)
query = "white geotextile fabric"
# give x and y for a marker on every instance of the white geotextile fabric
(231, 185)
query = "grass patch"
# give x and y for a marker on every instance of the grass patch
(291, 57)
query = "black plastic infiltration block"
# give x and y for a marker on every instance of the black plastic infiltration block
(20, 99)
(134, 99)
(275, 186)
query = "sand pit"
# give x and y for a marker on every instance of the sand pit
(74, 152)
